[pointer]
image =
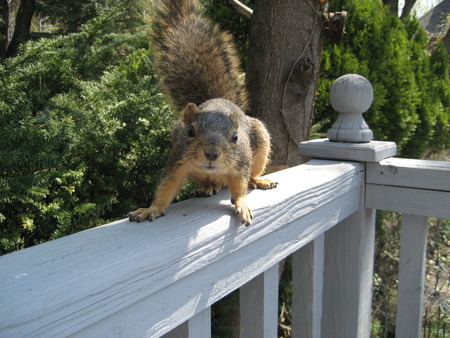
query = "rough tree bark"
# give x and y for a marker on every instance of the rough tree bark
(4, 23)
(393, 5)
(22, 27)
(283, 66)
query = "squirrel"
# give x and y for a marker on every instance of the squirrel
(213, 142)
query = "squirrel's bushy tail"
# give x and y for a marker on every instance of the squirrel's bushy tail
(196, 60)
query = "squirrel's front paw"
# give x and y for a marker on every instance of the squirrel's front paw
(244, 211)
(142, 214)
(264, 184)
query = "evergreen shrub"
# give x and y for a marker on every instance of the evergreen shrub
(411, 85)
(84, 132)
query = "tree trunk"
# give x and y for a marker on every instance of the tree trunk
(4, 22)
(393, 5)
(409, 4)
(283, 66)
(22, 27)
(446, 41)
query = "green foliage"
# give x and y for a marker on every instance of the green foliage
(83, 132)
(69, 16)
(411, 87)
(225, 316)
(437, 301)
(385, 273)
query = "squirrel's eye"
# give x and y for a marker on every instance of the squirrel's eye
(234, 138)
(191, 131)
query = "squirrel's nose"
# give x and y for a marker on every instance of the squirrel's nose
(212, 155)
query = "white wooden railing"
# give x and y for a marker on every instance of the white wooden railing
(161, 278)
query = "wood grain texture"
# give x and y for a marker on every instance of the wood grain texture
(400, 172)
(144, 279)
(408, 200)
(411, 186)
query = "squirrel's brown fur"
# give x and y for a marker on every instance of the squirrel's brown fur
(198, 62)
(214, 142)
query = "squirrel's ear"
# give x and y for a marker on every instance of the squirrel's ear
(189, 112)
(234, 116)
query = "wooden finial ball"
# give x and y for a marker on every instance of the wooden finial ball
(351, 94)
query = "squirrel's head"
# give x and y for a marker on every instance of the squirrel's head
(213, 136)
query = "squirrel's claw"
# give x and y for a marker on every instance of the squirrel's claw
(264, 184)
(244, 211)
(142, 214)
(204, 192)
(152, 217)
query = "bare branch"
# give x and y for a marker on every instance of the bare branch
(240, 8)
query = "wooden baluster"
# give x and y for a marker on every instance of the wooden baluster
(307, 284)
(411, 278)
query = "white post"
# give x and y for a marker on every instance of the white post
(349, 246)
(259, 305)
(411, 276)
(348, 271)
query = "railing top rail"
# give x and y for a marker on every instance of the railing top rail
(410, 186)
(176, 266)
(423, 174)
